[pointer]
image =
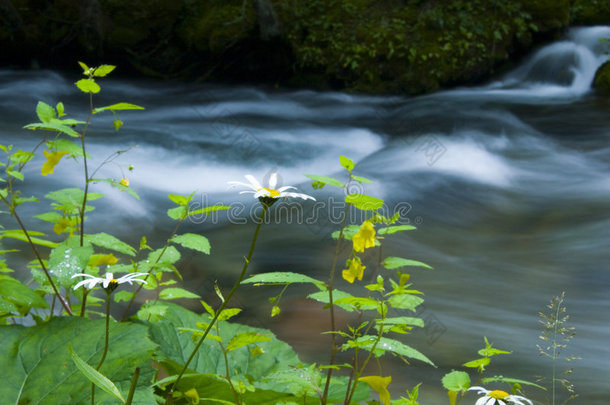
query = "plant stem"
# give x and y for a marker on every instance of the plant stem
(224, 303)
(132, 388)
(334, 349)
(82, 142)
(106, 339)
(131, 301)
(13, 212)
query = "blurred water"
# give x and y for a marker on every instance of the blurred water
(508, 184)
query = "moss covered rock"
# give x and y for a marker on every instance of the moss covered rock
(601, 82)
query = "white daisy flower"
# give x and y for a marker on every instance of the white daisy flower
(270, 191)
(107, 281)
(498, 397)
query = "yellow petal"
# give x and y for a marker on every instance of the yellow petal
(354, 270)
(365, 238)
(103, 259)
(53, 159)
(380, 385)
(124, 182)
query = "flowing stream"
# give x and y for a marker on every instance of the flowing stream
(508, 184)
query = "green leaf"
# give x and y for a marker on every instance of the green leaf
(193, 241)
(70, 200)
(37, 367)
(65, 145)
(347, 163)
(405, 301)
(88, 86)
(20, 296)
(60, 109)
(326, 180)
(246, 338)
(108, 241)
(20, 235)
(15, 174)
(95, 376)
(103, 70)
(175, 348)
(84, 67)
(361, 179)
(456, 381)
(179, 199)
(281, 277)
(67, 259)
(478, 363)
(117, 107)
(322, 296)
(178, 213)
(401, 320)
(45, 112)
(395, 228)
(387, 345)
(54, 126)
(398, 262)
(175, 293)
(358, 302)
(507, 380)
(364, 202)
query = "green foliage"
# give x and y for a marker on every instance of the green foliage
(38, 368)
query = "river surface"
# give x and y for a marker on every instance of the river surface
(508, 184)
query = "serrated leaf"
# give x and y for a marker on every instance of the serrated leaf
(193, 241)
(246, 338)
(95, 376)
(20, 235)
(393, 262)
(88, 86)
(45, 112)
(395, 228)
(348, 232)
(15, 174)
(322, 296)
(366, 342)
(118, 107)
(108, 241)
(84, 67)
(347, 163)
(175, 293)
(401, 320)
(326, 180)
(281, 277)
(405, 301)
(54, 126)
(364, 202)
(67, 259)
(358, 302)
(179, 199)
(456, 381)
(103, 70)
(507, 380)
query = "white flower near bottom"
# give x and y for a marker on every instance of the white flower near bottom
(270, 191)
(498, 397)
(108, 280)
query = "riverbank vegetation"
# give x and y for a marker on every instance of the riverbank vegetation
(65, 343)
(390, 46)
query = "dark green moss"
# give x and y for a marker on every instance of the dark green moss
(601, 82)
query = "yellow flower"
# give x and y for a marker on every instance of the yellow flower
(380, 385)
(355, 270)
(365, 238)
(53, 159)
(124, 182)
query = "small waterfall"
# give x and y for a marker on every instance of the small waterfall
(562, 68)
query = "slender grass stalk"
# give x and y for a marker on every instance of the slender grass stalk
(106, 339)
(169, 400)
(331, 278)
(132, 387)
(13, 212)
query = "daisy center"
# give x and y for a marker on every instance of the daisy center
(498, 394)
(272, 193)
